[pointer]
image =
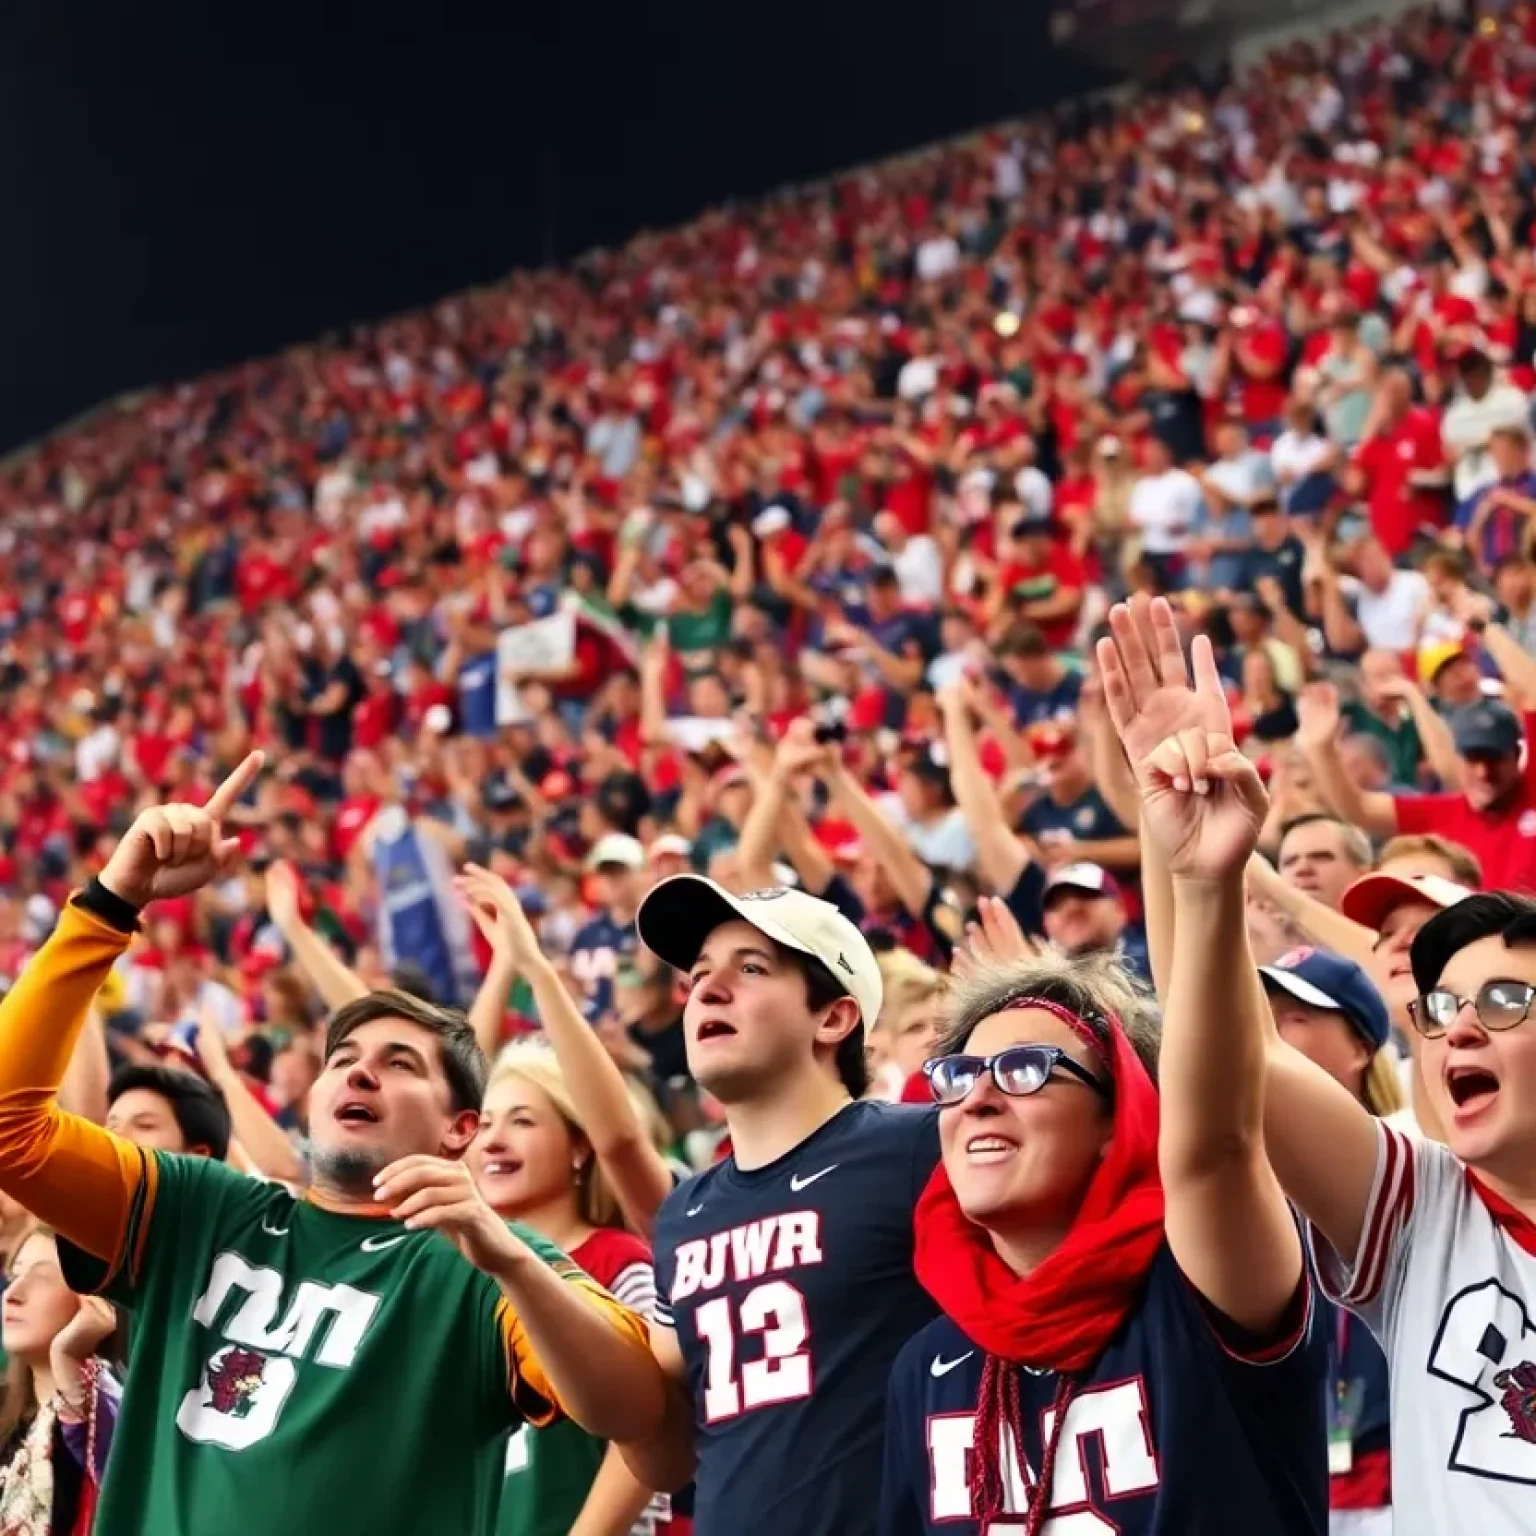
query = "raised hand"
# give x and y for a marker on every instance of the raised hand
(799, 751)
(1317, 716)
(995, 938)
(172, 849)
(498, 915)
(283, 891)
(1202, 801)
(1146, 682)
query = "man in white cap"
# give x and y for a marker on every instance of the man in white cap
(617, 863)
(784, 1274)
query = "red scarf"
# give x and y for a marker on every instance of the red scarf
(1063, 1313)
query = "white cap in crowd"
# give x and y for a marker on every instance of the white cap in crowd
(617, 848)
(679, 914)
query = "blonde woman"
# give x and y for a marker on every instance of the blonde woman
(534, 1164)
(910, 1023)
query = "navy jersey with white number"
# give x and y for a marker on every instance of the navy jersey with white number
(596, 950)
(791, 1290)
(1172, 1434)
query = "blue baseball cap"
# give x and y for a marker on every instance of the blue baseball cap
(1324, 980)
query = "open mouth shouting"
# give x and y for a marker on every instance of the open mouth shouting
(356, 1112)
(1473, 1089)
(714, 1029)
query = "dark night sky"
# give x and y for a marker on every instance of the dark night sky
(180, 192)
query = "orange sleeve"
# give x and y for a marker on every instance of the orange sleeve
(80, 1179)
(532, 1393)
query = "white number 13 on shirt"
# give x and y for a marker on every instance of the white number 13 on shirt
(776, 1311)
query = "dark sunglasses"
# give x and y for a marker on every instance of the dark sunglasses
(1498, 1005)
(1018, 1072)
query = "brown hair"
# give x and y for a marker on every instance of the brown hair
(463, 1061)
(18, 1399)
(1465, 869)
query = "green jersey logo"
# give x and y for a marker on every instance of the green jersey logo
(247, 1380)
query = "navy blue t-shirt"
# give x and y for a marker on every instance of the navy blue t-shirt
(791, 1290)
(1088, 818)
(1171, 1434)
(595, 954)
(1030, 706)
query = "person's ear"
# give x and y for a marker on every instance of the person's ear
(460, 1132)
(841, 1019)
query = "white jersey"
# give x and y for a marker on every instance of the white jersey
(1444, 1282)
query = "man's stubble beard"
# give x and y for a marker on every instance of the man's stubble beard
(348, 1171)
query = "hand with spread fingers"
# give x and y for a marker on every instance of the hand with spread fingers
(498, 915)
(1202, 800)
(994, 939)
(173, 849)
(436, 1194)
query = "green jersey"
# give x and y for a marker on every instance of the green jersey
(298, 1370)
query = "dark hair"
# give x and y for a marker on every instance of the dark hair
(1487, 914)
(822, 989)
(198, 1108)
(464, 1063)
(1357, 846)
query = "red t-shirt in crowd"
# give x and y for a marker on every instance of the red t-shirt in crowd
(1396, 507)
(1061, 570)
(1504, 840)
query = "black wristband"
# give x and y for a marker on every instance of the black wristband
(109, 907)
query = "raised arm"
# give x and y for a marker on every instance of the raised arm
(775, 821)
(1331, 929)
(71, 1173)
(1001, 855)
(1317, 710)
(910, 878)
(328, 973)
(1321, 1143)
(639, 1174)
(263, 1141)
(1229, 1225)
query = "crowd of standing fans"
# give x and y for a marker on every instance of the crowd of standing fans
(1045, 626)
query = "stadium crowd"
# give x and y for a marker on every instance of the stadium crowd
(810, 548)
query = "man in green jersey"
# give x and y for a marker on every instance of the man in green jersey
(350, 1362)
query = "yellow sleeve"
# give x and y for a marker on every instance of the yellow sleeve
(532, 1393)
(82, 1180)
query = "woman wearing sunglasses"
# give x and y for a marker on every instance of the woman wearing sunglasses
(1127, 1340)
(1433, 1246)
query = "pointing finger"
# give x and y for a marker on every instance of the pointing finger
(228, 794)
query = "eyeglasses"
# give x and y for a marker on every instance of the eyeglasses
(1498, 1005)
(1018, 1072)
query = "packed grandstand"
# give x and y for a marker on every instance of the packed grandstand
(791, 548)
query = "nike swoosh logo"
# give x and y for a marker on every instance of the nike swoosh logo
(796, 1183)
(942, 1367)
(693, 1210)
(379, 1244)
(270, 1230)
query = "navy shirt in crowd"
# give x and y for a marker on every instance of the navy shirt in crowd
(1170, 1434)
(595, 954)
(791, 1290)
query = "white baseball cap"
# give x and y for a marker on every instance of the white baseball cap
(1372, 897)
(679, 914)
(617, 848)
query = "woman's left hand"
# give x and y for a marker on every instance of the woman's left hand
(83, 1334)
